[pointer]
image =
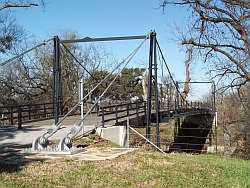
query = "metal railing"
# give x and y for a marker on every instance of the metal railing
(23, 113)
(122, 111)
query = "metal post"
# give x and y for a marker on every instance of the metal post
(169, 95)
(102, 117)
(80, 97)
(57, 85)
(44, 109)
(215, 115)
(211, 131)
(216, 133)
(148, 122)
(178, 130)
(2, 119)
(156, 94)
(11, 116)
(177, 96)
(137, 113)
(29, 112)
(116, 115)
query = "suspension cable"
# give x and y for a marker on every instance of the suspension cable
(171, 77)
(175, 84)
(131, 55)
(99, 98)
(19, 55)
(78, 61)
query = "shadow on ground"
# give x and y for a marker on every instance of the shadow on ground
(9, 132)
(11, 160)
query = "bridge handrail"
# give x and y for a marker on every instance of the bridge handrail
(123, 107)
(128, 107)
(26, 112)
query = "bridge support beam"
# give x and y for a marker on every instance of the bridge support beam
(57, 80)
(152, 89)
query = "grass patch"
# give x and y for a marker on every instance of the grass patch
(140, 168)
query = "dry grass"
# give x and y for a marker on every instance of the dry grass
(140, 168)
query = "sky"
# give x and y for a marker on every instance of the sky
(111, 18)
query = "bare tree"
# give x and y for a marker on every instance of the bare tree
(28, 79)
(9, 4)
(219, 34)
(10, 32)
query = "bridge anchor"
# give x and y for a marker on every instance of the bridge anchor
(41, 146)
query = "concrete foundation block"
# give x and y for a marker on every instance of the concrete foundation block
(116, 134)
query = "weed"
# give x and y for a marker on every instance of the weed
(91, 136)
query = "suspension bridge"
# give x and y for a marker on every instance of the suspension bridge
(193, 120)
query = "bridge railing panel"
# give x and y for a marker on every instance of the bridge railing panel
(117, 112)
(22, 113)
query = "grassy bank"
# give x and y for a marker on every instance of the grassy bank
(136, 169)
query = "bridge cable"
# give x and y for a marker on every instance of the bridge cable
(54, 128)
(75, 58)
(110, 84)
(170, 73)
(21, 54)
(161, 63)
(78, 61)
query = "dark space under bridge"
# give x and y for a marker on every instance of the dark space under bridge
(193, 120)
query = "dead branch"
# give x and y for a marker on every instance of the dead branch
(17, 5)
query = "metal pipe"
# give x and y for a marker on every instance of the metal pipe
(156, 94)
(55, 88)
(148, 120)
(88, 39)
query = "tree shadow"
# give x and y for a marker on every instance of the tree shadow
(9, 133)
(11, 160)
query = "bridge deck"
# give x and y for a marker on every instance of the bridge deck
(10, 135)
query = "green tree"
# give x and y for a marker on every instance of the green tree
(126, 86)
(130, 83)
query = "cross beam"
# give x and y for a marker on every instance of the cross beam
(88, 39)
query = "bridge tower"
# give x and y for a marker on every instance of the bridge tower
(152, 89)
(57, 80)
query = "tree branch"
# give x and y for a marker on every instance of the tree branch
(215, 48)
(17, 5)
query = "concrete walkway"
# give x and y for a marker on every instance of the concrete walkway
(10, 135)
(12, 141)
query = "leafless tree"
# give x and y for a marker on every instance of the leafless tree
(10, 4)
(11, 33)
(219, 34)
(28, 79)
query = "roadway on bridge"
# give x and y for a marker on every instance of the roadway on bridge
(10, 135)
(13, 140)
